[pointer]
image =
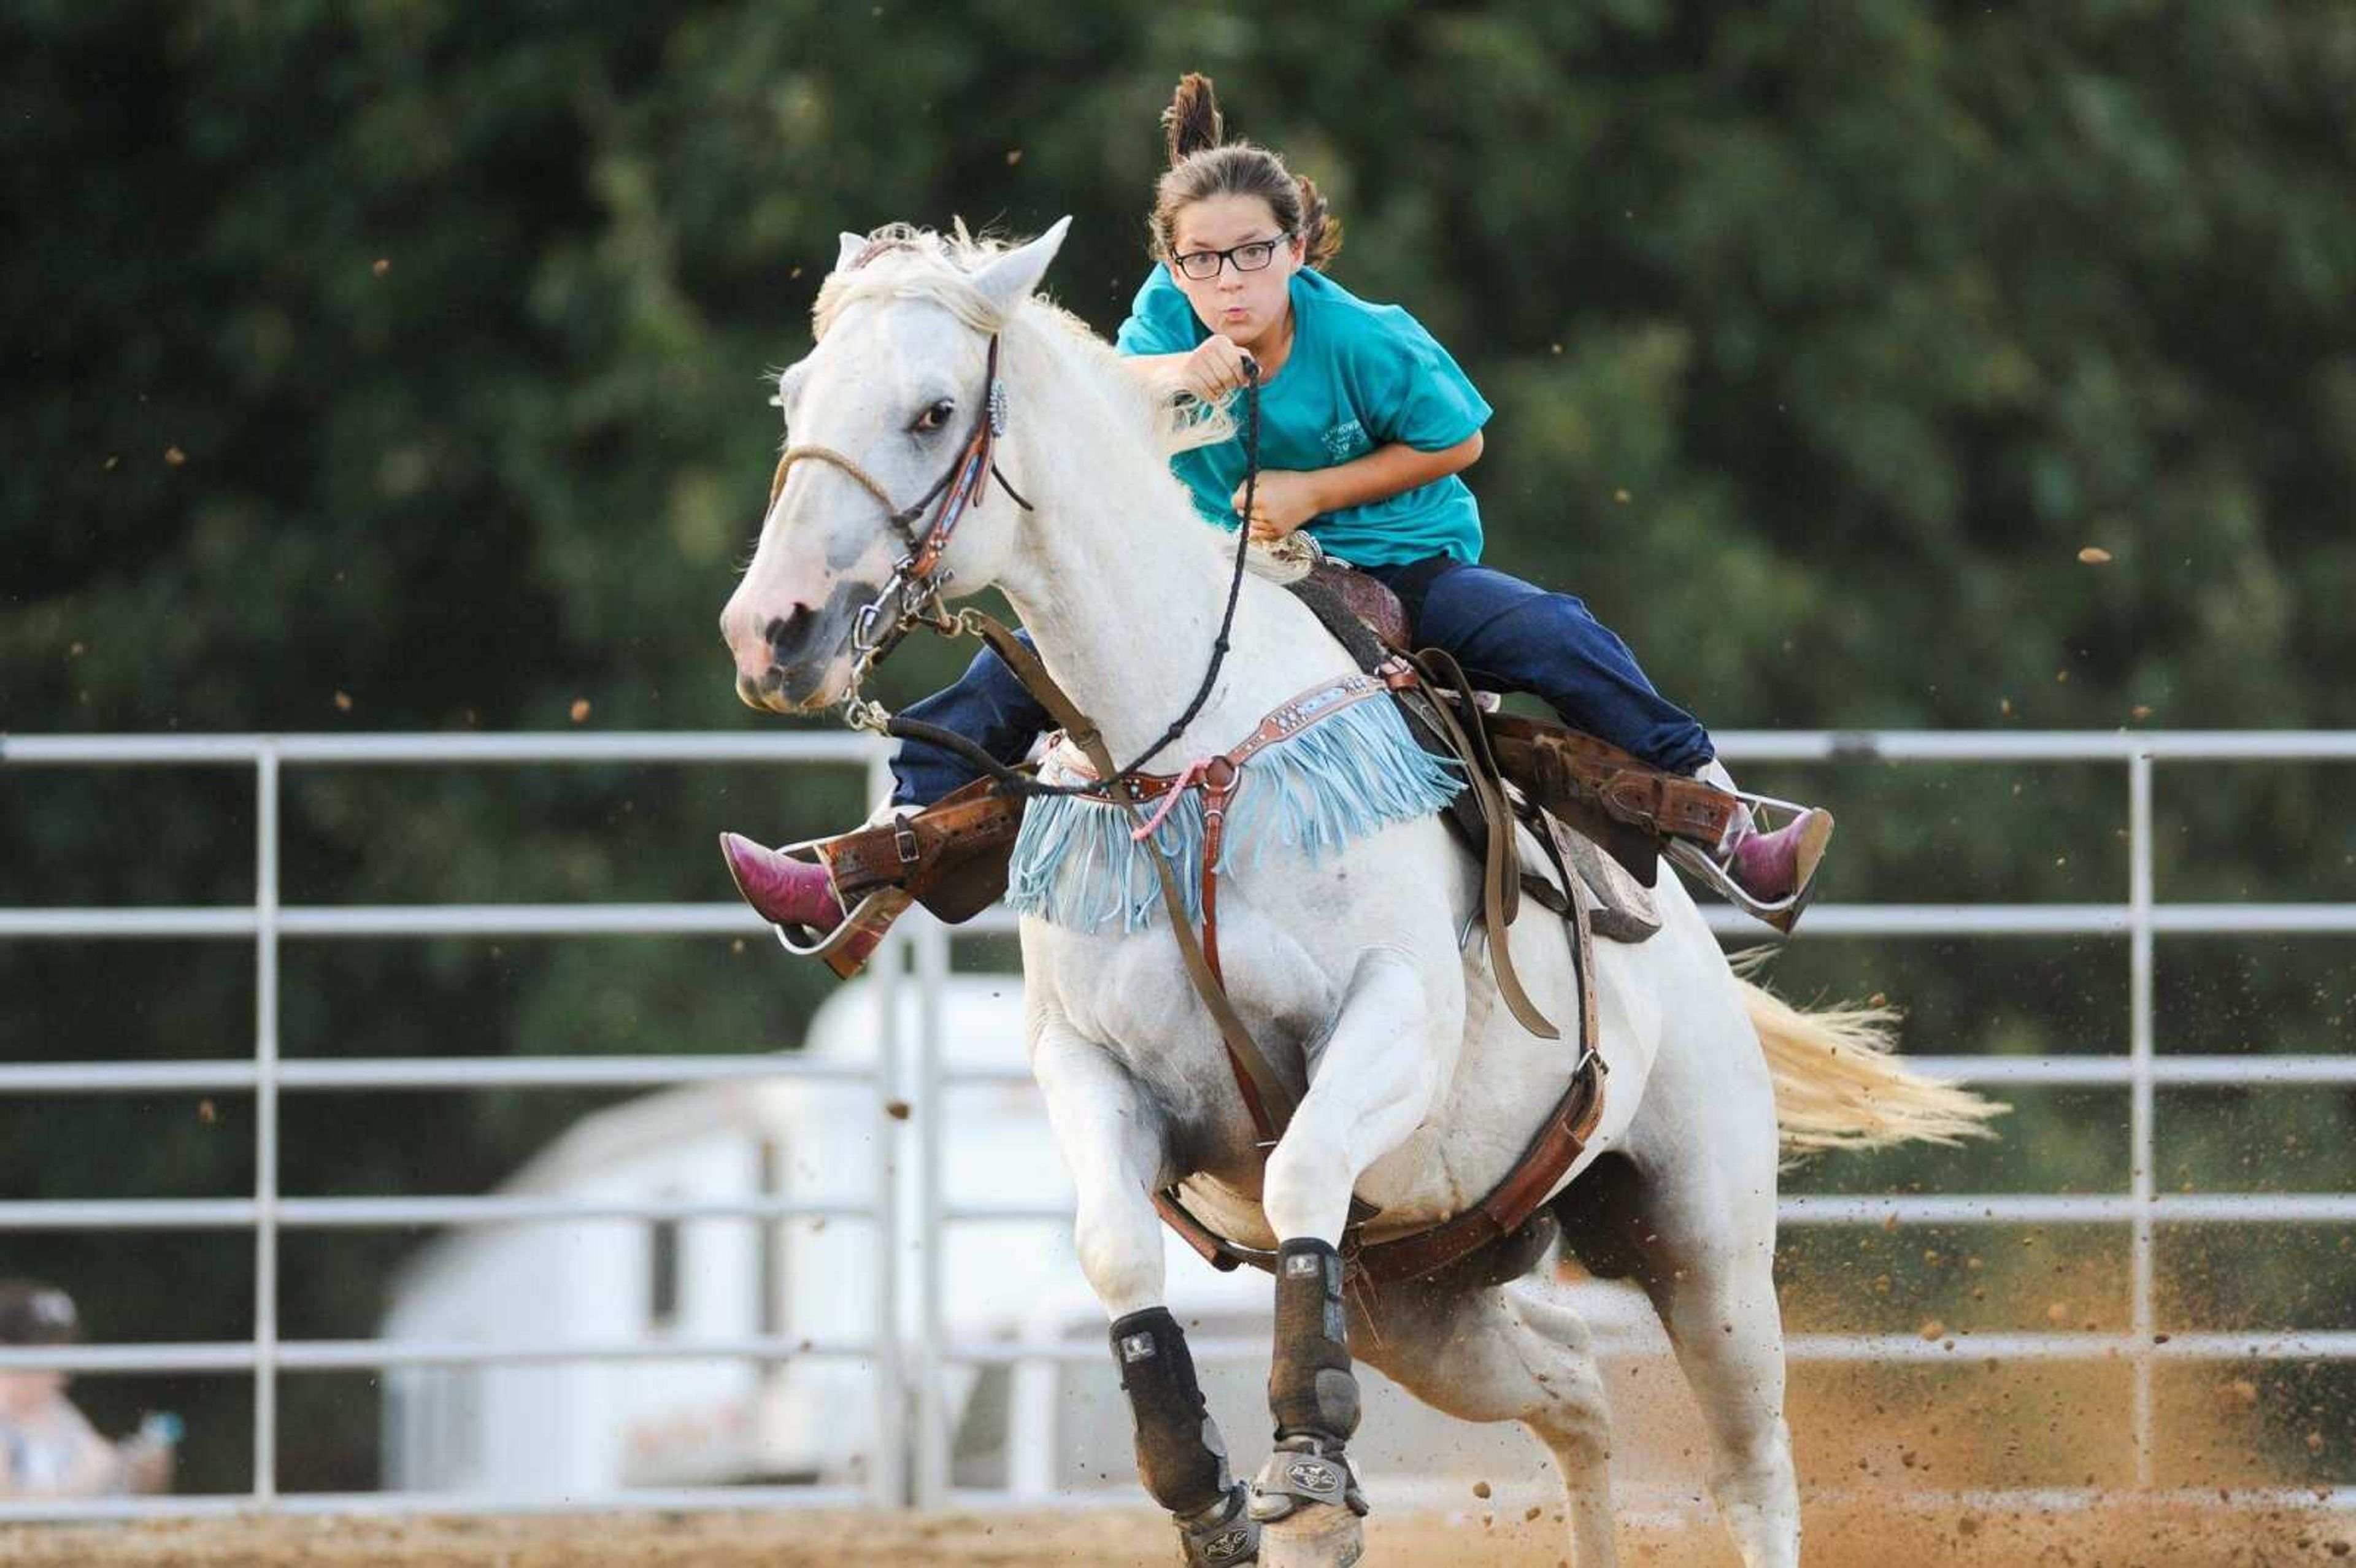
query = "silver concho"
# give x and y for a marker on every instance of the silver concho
(1226, 1544)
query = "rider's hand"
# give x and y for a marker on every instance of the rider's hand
(1213, 369)
(1281, 502)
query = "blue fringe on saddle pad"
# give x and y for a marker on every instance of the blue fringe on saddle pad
(1075, 865)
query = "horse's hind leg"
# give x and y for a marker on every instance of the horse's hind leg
(1114, 1142)
(1704, 1201)
(1727, 1331)
(1510, 1353)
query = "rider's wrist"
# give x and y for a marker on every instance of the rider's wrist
(1321, 497)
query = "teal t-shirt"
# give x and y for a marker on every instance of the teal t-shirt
(1360, 376)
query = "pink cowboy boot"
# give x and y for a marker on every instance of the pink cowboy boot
(1770, 872)
(834, 898)
(797, 897)
(1773, 867)
(782, 890)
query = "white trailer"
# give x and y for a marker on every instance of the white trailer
(574, 1427)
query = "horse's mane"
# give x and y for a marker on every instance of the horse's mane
(905, 261)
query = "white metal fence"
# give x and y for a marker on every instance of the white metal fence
(911, 1421)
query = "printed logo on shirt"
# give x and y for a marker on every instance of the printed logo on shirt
(1347, 441)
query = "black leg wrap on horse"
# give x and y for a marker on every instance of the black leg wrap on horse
(1310, 1388)
(1180, 1456)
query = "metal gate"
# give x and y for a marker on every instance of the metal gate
(912, 1422)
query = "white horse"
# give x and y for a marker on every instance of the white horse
(1355, 973)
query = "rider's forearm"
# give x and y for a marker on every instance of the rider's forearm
(1388, 470)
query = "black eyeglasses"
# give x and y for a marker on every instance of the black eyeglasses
(1249, 257)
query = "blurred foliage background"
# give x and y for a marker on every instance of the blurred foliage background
(398, 365)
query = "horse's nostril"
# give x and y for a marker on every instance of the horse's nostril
(783, 630)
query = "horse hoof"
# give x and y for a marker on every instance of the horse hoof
(1305, 1474)
(1314, 1535)
(1308, 1503)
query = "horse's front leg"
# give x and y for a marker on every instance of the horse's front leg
(1371, 1085)
(1116, 1143)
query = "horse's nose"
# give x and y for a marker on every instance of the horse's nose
(760, 647)
(751, 655)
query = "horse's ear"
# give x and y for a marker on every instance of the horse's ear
(1009, 279)
(852, 245)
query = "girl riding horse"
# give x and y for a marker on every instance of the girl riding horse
(1365, 427)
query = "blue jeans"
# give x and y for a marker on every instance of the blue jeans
(1508, 634)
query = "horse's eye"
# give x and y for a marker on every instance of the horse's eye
(934, 418)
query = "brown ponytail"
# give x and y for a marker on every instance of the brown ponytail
(1193, 119)
(1204, 163)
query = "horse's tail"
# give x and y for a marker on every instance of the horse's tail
(1839, 1083)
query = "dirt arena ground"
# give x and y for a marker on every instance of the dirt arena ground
(1877, 1449)
(1883, 1453)
(1852, 1535)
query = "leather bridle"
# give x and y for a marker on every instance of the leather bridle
(912, 595)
